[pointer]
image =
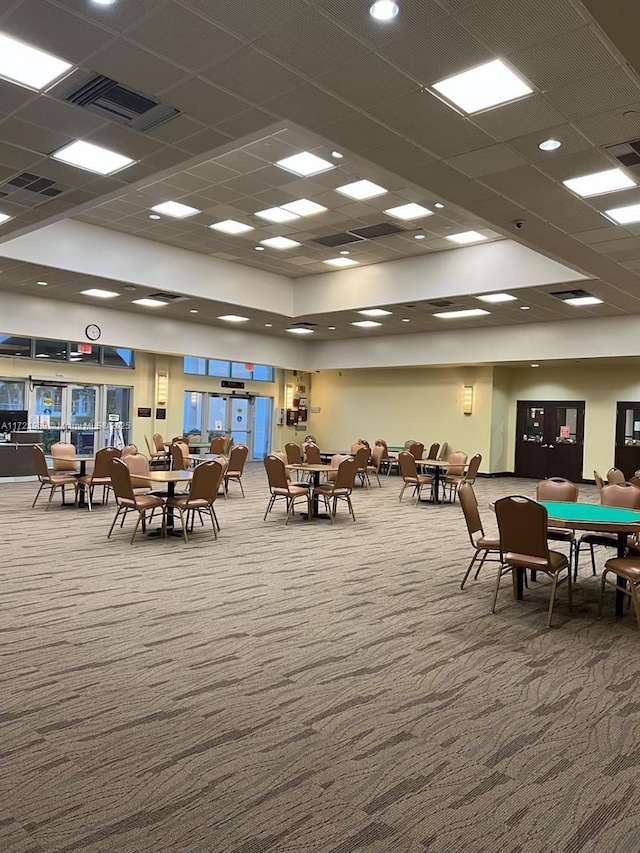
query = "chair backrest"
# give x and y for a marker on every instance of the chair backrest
(158, 441)
(218, 444)
(61, 451)
(522, 523)
(377, 455)
(336, 459)
(148, 443)
(39, 463)
(312, 454)
(346, 475)
(128, 449)
(615, 475)
(474, 467)
(622, 495)
(635, 481)
(380, 442)
(356, 447)
(178, 462)
(180, 439)
(416, 448)
(433, 450)
(294, 454)
(409, 442)
(238, 457)
(137, 465)
(121, 480)
(443, 454)
(206, 481)
(103, 461)
(228, 441)
(599, 481)
(557, 489)
(276, 473)
(457, 461)
(362, 457)
(407, 462)
(469, 504)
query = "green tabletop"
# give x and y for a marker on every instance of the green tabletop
(595, 513)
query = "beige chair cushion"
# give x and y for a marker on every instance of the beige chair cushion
(293, 490)
(557, 561)
(625, 567)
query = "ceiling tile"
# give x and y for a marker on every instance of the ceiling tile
(246, 122)
(253, 75)
(55, 115)
(487, 161)
(353, 81)
(25, 135)
(136, 67)
(611, 89)
(309, 106)
(358, 133)
(204, 142)
(527, 115)
(204, 101)
(246, 20)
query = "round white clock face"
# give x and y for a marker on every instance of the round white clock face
(93, 332)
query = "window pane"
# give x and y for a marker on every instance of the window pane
(197, 366)
(10, 345)
(262, 427)
(239, 371)
(192, 415)
(52, 350)
(263, 373)
(117, 357)
(218, 368)
(217, 416)
(11, 395)
(84, 354)
(118, 405)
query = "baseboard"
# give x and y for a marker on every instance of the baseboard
(497, 474)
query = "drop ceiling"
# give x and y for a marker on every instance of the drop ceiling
(328, 76)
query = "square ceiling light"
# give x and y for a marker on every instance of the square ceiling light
(466, 237)
(92, 158)
(149, 303)
(175, 209)
(304, 207)
(341, 262)
(305, 164)
(233, 318)
(4, 217)
(599, 183)
(100, 294)
(375, 312)
(483, 87)
(361, 190)
(28, 66)
(581, 301)
(409, 211)
(468, 312)
(279, 243)
(366, 324)
(300, 330)
(497, 297)
(625, 215)
(230, 226)
(277, 214)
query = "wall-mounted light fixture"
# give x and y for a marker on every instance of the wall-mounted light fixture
(162, 389)
(467, 400)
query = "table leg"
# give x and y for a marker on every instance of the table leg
(620, 596)
(518, 583)
(83, 473)
(436, 485)
(171, 490)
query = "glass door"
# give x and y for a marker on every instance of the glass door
(46, 413)
(217, 417)
(66, 413)
(549, 439)
(262, 420)
(627, 454)
(81, 420)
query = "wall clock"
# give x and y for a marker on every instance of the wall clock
(92, 332)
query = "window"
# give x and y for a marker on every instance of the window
(12, 346)
(263, 373)
(219, 368)
(53, 350)
(239, 371)
(118, 406)
(196, 366)
(192, 415)
(117, 357)
(84, 354)
(11, 395)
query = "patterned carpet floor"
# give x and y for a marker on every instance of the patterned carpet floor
(304, 689)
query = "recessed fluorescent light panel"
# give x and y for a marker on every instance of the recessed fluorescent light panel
(300, 331)
(623, 215)
(375, 312)
(304, 207)
(149, 303)
(581, 301)
(466, 237)
(175, 209)
(92, 158)
(28, 66)
(470, 312)
(230, 226)
(277, 214)
(599, 183)
(361, 190)
(366, 324)
(341, 262)
(233, 318)
(485, 86)
(497, 297)
(4, 217)
(409, 211)
(99, 294)
(305, 164)
(279, 243)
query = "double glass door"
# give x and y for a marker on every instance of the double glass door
(550, 439)
(627, 456)
(247, 419)
(67, 413)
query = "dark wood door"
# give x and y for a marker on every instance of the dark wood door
(550, 439)
(627, 456)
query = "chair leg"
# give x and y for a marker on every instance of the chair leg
(552, 601)
(269, 506)
(593, 559)
(38, 495)
(135, 529)
(636, 605)
(53, 488)
(184, 525)
(485, 555)
(402, 491)
(603, 581)
(470, 566)
(569, 590)
(215, 517)
(88, 494)
(350, 505)
(290, 505)
(495, 593)
(213, 521)
(113, 523)
(240, 484)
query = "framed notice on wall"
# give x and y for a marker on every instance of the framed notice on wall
(144, 412)
(161, 414)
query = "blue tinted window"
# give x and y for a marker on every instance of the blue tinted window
(195, 365)
(218, 368)
(263, 373)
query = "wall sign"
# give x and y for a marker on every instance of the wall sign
(144, 413)
(226, 383)
(161, 414)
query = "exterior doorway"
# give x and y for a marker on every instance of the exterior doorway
(247, 419)
(550, 439)
(627, 455)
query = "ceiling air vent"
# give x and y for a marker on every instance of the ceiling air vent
(110, 99)
(570, 294)
(385, 229)
(442, 303)
(303, 325)
(166, 297)
(30, 190)
(341, 239)
(627, 154)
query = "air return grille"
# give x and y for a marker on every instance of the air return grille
(30, 190)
